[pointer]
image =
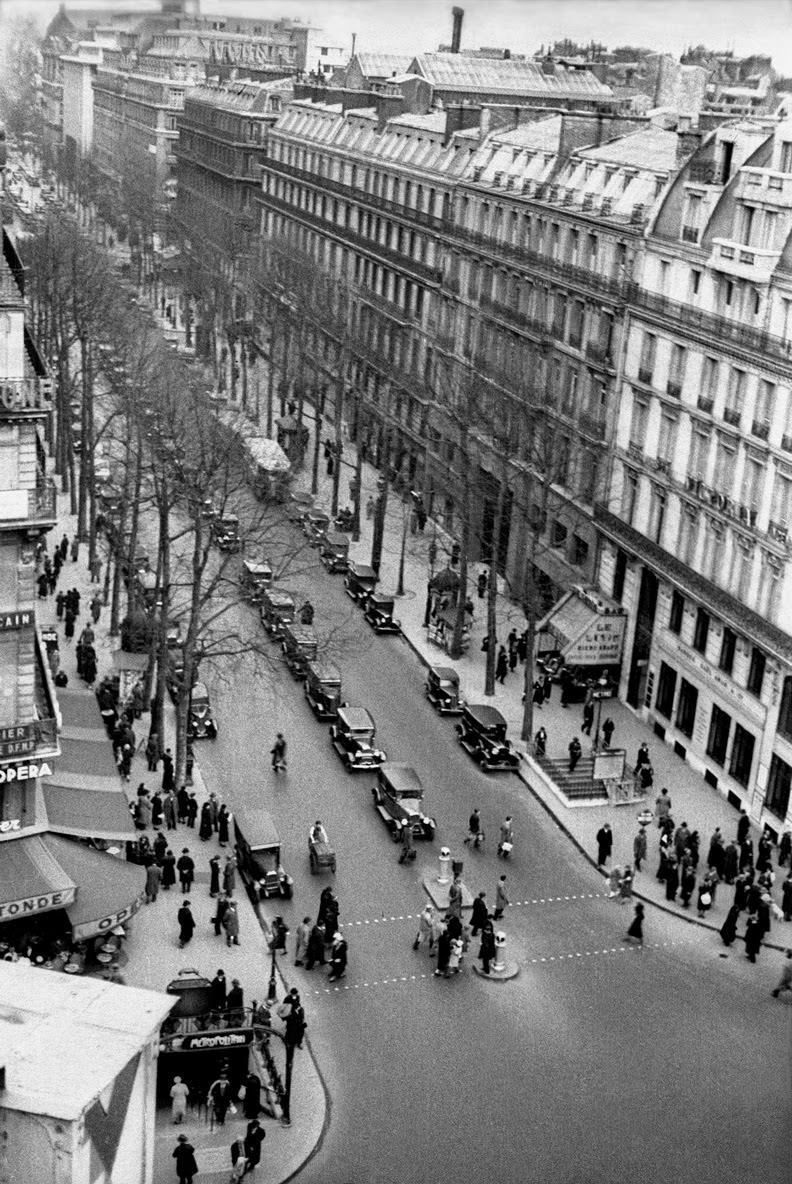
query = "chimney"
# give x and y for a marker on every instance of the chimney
(456, 35)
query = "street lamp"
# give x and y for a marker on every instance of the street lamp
(602, 692)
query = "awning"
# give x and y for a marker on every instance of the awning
(88, 813)
(31, 879)
(586, 629)
(109, 891)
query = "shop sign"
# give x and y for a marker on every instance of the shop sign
(218, 1040)
(9, 773)
(17, 620)
(18, 739)
(91, 928)
(36, 904)
(599, 645)
(8, 824)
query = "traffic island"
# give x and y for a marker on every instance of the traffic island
(437, 885)
(501, 969)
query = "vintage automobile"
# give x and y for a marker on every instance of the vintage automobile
(254, 579)
(276, 610)
(258, 852)
(208, 511)
(360, 582)
(398, 798)
(299, 644)
(299, 505)
(226, 532)
(482, 733)
(200, 721)
(315, 526)
(323, 689)
(335, 551)
(379, 614)
(353, 739)
(442, 690)
(320, 854)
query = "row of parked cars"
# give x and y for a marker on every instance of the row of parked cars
(481, 729)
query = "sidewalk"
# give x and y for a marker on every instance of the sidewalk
(152, 957)
(694, 801)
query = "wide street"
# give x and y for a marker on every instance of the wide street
(599, 1062)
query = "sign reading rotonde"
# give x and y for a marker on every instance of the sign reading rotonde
(40, 903)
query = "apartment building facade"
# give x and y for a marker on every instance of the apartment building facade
(697, 530)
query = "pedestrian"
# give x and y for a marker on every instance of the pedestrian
(522, 652)
(214, 876)
(278, 754)
(231, 924)
(252, 1099)
(786, 897)
(63, 547)
(501, 666)
(785, 848)
(407, 852)
(642, 758)
(217, 993)
(153, 753)
(220, 1097)
(537, 693)
(785, 982)
(731, 862)
(506, 837)
(169, 810)
(179, 1094)
(192, 810)
(715, 855)
(743, 827)
(687, 880)
(604, 844)
(156, 810)
(481, 585)
(96, 570)
(681, 837)
(291, 1011)
(753, 936)
(501, 898)
(662, 807)
(302, 936)
(728, 930)
(705, 897)
(316, 946)
(764, 853)
(167, 771)
(144, 812)
(96, 608)
(330, 918)
(746, 854)
(220, 912)
(588, 718)
(182, 804)
(186, 869)
(575, 753)
(160, 847)
(186, 924)
(625, 885)
(479, 914)
(639, 848)
(540, 742)
(205, 829)
(475, 835)
(184, 1154)
(239, 1161)
(646, 777)
(487, 946)
(279, 931)
(42, 584)
(153, 875)
(68, 625)
(635, 932)
(455, 898)
(229, 875)
(214, 811)
(443, 952)
(254, 1137)
(607, 732)
(671, 877)
(75, 549)
(426, 927)
(338, 958)
(60, 601)
(223, 822)
(89, 665)
(613, 881)
(168, 870)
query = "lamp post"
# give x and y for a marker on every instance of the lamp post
(602, 692)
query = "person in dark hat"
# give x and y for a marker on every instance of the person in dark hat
(186, 924)
(184, 1154)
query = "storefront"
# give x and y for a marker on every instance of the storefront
(584, 632)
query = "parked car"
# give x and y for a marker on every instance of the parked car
(299, 644)
(353, 735)
(442, 690)
(200, 721)
(398, 798)
(323, 689)
(316, 525)
(298, 507)
(226, 532)
(277, 610)
(334, 551)
(254, 579)
(482, 733)
(379, 614)
(258, 851)
(360, 582)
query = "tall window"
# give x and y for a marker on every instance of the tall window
(742, 755)
(701, 631)
(756, 672)
(677, 612)
(648, 352)
(725, 461)
(718, 739)
(629, 495)
(668, 433)
(728, 646)
(709, 377)
(753, 479)
(688, 533)
(735, 396)
(666, 686)
(781, 512)
(699, 454)
(770, 570)
(686, 708)
(784, 726)
(765, 405)
(778, 786)
(657, 508)
(638, 423)
(676, 371)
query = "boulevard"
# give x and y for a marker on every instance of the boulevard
(599, 1060)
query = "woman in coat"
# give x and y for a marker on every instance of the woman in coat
(143, 812)
(338, 958)
(156, 810)
(316, 947)
(486, 949)
(205, 829)
(223, 820)
(252, 1103)
(635, 932)
(229, 876)
(214, 876)
(728, 929)
(168, 878)
(231, 924)
(186, 924)
(753, 937)
(184, 1154)
(179, 1094)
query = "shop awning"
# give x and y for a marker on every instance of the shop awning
(109, 890)
(88, 813)
(31, 878)
(585, 629)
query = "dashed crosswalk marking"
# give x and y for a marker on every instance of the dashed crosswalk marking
(340, 987)
(515, 904)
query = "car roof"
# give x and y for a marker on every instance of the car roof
(279, 596)
(444, 673)
(257, 827)
(381, 598)
(362, 571)
(317, 516)
(302, 634)
(488, 717)
(403, 778)
(325, 672)
(199, 691)
(355, 717)
(336, 539)
(257, 569)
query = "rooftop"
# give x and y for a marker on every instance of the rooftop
(64, 1040)
(458, 72)
(650, 148)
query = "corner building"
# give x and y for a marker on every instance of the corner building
(697, 526)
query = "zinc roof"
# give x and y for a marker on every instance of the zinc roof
(650, 148)
(459, 72)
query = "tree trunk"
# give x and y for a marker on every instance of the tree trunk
(492, 592)
(338, 449)
(528, 721)
(317, 443)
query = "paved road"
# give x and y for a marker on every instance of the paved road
(599, 1062)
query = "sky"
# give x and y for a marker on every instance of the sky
(413, 26)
